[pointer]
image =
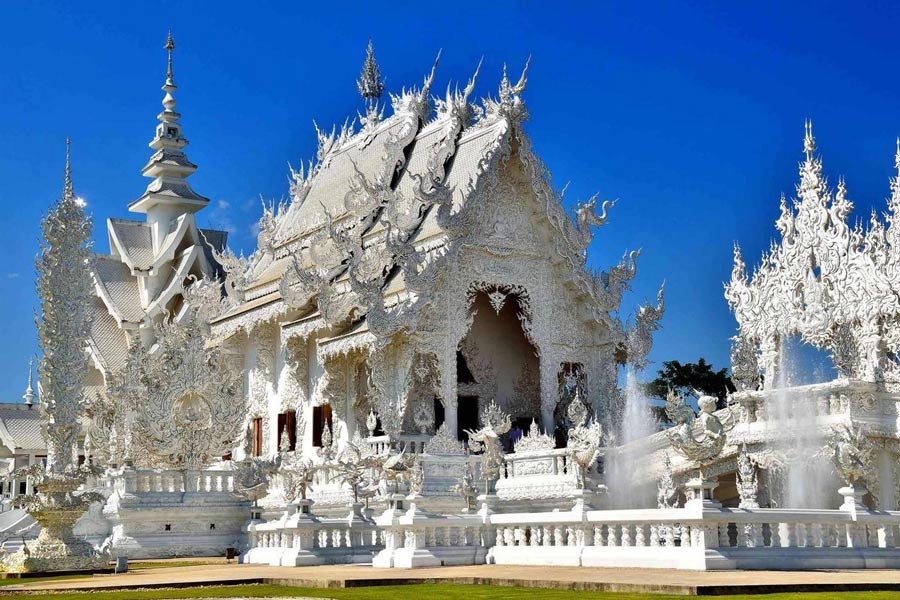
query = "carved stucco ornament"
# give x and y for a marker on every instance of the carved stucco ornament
(184, 402)
(835, 285)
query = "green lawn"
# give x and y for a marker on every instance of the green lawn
(425, 592)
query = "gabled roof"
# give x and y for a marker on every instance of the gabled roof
(133, 241)
(20, 427)
(118, 288)
(108, 342)
(363, 154)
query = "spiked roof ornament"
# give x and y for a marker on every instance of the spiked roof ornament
(68, 190)
(29, 394)
(809, 142)
(170, 46)
(370, 83)
(897, 157)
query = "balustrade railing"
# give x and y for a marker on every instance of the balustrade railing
(132, 481)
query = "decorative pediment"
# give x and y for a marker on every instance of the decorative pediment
(184, 401)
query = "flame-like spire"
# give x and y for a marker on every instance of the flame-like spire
(897, 158)
(68, 190)
(29, 395)
(809, 142)
(370, 83)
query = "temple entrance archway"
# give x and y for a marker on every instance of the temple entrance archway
(496, 361)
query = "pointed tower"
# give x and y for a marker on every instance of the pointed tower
(29, 395)
(169, 194)
(140, 283)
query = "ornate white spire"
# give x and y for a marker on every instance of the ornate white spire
(68, 190)
(809, 142)
(169, 166)
(370, 83)
(897, 157)
(29, 394)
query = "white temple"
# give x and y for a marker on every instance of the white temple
(417, 366)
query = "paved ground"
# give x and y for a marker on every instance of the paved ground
(632, 580)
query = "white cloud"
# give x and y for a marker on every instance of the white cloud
(221, 217)
(12, 275)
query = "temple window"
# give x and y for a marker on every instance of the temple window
(256, 431)
(321, 415)
(288, 420)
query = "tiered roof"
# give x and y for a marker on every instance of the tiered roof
(142, 278)
(376, 214)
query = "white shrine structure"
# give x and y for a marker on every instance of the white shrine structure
(418, 367)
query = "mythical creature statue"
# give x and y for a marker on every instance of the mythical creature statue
(699, 438)
(487, 441)
(748, 489)
(852, 454)
(586, 219)
(416, 477)
(354, 466)
(236, 269)
(296, 473)
(466, 488)
(639, 334)
(395, 467)
(253, 475)
(666, 490)
(584, 438)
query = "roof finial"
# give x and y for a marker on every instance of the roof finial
(897, 158)
(68, 191)
(168, 166)
(170, 46)
(370, 83)
(29, 391)
(809, 142)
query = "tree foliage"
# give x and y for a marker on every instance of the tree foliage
(686, 378)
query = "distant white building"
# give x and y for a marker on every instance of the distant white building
(21, 443)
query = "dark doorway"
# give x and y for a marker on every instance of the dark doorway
(438, 413)
(466, 415)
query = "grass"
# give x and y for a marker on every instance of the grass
(424, 592)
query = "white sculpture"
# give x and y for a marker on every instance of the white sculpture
(835, 285)
(584, 439)
(182, 400)
(748, 489)
(65, 290)
(852, 454)
(699, 438)
(494, 423)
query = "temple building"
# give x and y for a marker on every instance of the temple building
(418, 365)
(21, 443)
(423, 267)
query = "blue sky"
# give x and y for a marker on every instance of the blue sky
(690, 114)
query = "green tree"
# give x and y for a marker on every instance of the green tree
(686, 378)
